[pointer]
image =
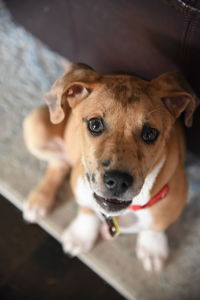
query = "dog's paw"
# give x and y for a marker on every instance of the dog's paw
(74, 244)
(152, 250)
(36, 207)
(81, 235)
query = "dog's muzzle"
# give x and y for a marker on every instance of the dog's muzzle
(116, 184)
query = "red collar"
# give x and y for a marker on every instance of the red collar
(159, 196)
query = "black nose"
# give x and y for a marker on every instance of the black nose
(117, 182)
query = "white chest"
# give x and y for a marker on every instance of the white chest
(134, 222)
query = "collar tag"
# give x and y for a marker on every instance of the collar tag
(113, 225)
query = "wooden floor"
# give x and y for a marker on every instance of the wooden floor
(33, 266)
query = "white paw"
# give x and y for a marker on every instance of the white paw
(33, 213)
(74, 244)
(152, 250)
(36, 207)
(81, 235)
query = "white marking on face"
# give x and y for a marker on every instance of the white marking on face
(84, 197)
(84, 194)
(144, 196)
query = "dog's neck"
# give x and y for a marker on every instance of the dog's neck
(145, 194)
(156, 198)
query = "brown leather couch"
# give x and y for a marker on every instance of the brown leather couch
(142, 37)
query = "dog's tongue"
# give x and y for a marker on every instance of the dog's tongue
(112, 225)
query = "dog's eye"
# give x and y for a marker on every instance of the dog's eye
(149, 134)
(95, 126)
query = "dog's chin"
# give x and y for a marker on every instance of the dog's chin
(111, 207)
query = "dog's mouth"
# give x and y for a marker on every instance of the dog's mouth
(112, 205)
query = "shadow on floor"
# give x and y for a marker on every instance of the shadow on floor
(33, 265)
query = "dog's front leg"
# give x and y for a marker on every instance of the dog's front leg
(42, 198)
(82, 233)
(152, 249)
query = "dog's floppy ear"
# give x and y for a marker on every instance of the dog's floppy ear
(177, 95)
(73, 86)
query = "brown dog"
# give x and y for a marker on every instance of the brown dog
(119, 136)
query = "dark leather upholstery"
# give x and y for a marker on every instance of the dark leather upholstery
(142, 37)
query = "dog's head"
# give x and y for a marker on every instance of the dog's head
(123, 124)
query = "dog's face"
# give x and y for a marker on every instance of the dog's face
(123, 124)
(123, 134)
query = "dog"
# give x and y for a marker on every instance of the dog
(119, 138)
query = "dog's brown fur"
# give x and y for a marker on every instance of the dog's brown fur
(125, 103)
